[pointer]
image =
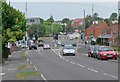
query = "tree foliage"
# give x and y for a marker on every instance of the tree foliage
(13, 25)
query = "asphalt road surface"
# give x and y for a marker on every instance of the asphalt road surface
(54, 66)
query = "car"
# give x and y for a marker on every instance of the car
(59, 42)
(68, 50)
(32, 46)
(71, 38)
(90, 51)
(63, 44)
(104, 52)
(74, 43)
(40, 44)
(46, 46)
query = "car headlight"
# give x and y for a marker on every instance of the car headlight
(92, 52)
(104, 54)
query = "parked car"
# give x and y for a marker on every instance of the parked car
(90, 51)
(104, 52)
(68, 50)
(46, 46)
(32, 46)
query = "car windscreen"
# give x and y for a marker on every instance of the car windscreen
(107, 49)
(68, 47)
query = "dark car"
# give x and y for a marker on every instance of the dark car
(95, 51)
(90, 51)
(74, 43)
(40, 44)
(33, 47)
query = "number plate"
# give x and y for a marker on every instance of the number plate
(109, 55)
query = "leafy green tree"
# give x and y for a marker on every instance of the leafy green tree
(50, 20)
(107, 21)
(88, 21)
(65, 20)
(13, 26)
(113, 16)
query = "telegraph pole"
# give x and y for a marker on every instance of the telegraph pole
(26, 22)
(84, 26)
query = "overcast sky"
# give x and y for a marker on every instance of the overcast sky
(71, 10)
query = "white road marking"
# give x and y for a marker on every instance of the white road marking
(30, 62)
(35, 68)
(92, 70)
(66, 60)
(110, 75)
(80, 65)
(43, 77)
(72, 62)
(2, 74)
(13, 69)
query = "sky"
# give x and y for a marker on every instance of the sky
(71, 10)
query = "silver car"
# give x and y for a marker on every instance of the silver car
(46, 46)
(68, 50)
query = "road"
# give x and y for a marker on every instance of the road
(56, 67)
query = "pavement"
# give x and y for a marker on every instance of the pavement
(19, 68)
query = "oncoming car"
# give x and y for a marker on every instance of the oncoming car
(68, 50)
(46, 46)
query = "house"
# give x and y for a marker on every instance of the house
(114, 32)
(33, 20)
(95, 30)
(77, 22)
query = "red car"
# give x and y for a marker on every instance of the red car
(106, 52)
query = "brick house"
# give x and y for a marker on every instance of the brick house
(96, 30)
(77, 22)
(114, 32)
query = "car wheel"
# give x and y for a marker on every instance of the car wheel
(73, 54)
(100, 58)
(115, 58)
(63, 54)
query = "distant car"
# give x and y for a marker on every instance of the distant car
(71, 38)
(68, 50)
(90, 51)
(40, 44)
(105, 52)
(59, 43)
(63, 44)
(33, 46)
(74, 43)
(46, 46)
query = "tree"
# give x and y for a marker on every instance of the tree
(95, 16)
(13, 26)
(107, 21)
(50, 20)
(65, 20)
(113, 16)
(88, 21)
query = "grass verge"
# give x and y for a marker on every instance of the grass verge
(26, 74)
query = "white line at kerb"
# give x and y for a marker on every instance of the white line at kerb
(110, 75)
(43, 77)
(72, 62)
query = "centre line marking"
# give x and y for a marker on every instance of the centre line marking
(110, 75)
(92, 70)
(72, 62)
(80, 65)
